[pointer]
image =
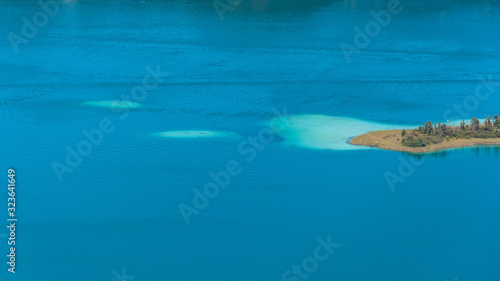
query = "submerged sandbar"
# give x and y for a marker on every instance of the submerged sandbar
(194, 134)
(323, 131)
(114, 104)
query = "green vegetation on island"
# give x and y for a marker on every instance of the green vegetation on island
(430, 134)
(437, 136)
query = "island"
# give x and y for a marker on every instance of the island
(434, 137)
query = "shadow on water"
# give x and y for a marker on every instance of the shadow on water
(263, 6)
(480, 8)
(488, 149)
(282, 5)
(416, 157)
(442, 154)
(297, 6)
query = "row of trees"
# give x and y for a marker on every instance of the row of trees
(438, 132)
(475, 125)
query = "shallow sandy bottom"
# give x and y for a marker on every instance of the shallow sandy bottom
(330, 132)
(191, 134)
(118, 104)
(325, 132)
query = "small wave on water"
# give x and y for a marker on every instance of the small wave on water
(17, 102)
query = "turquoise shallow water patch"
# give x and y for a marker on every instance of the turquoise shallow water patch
(192, 134)
(118, 104)
(325, 132)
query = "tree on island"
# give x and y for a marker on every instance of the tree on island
(474, 123)
(488, 124)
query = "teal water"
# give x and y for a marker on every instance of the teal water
(118, 209)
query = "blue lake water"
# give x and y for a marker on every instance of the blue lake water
(118, 209)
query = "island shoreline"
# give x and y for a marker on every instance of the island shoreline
(390, 140)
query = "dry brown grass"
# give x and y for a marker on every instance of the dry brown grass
(391, 140)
